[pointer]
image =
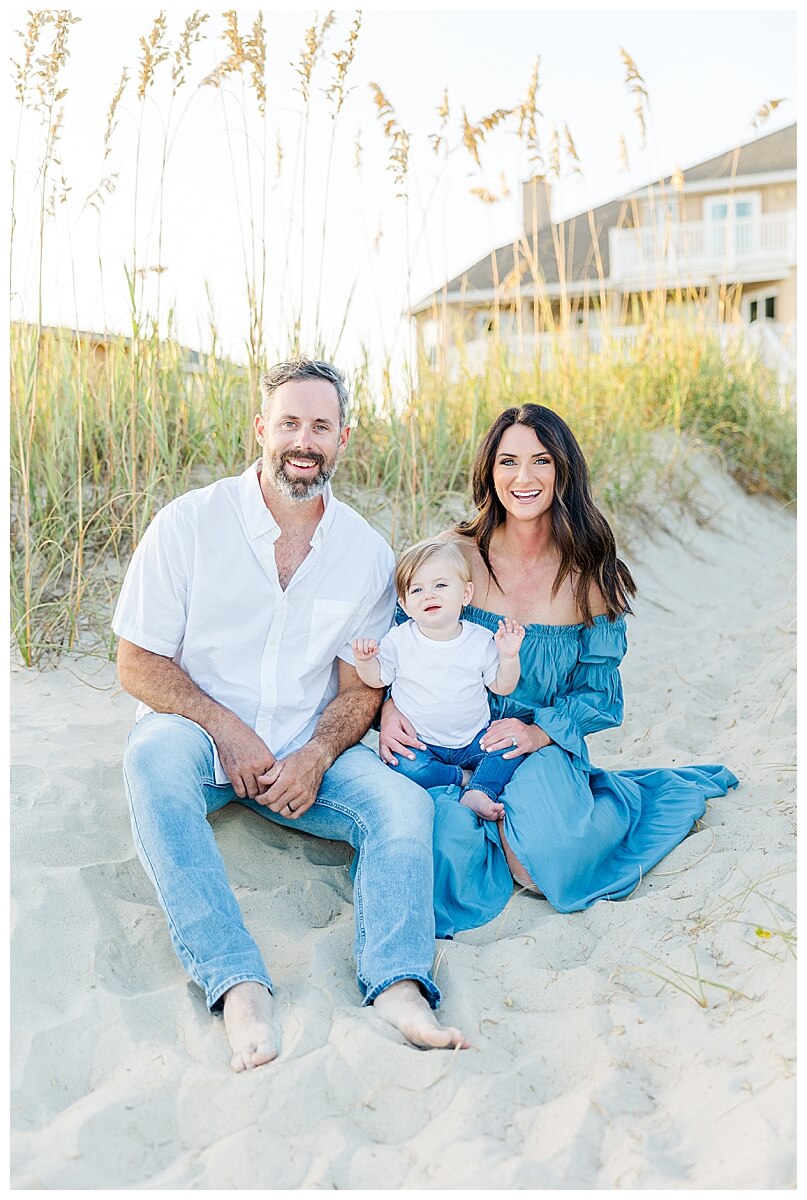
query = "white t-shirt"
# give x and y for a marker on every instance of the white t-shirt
(440, 686)
(202, 588)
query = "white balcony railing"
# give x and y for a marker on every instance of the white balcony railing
(773, 343)
(692, 250)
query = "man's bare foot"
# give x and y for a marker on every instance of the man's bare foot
(482, 805)
(404, 1006)
(251, 1030)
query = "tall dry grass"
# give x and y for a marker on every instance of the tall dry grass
(107, 428)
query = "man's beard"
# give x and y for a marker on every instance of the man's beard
(301, 489)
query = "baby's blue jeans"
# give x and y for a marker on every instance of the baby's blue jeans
(439, 766)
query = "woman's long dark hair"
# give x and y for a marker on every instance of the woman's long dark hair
(580, 532)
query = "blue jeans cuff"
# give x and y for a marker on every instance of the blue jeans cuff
(215, 998)
(431, 989)
(483, 787)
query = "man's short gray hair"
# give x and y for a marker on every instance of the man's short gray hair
(305, 368)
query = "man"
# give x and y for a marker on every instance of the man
(235, 622)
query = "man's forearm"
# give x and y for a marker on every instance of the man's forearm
(166, 688)
(346, 720)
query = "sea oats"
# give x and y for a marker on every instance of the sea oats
(636, 86)
(571, 151)
(554, 154)
(155, 51)
(527, 119)
(313, 41)
(342, 60)
(438, 139)
(474, 135)
(484, 195)
(249, 51)
(237, 56)
(30, 42)
(191, 34)
(255, 47)
(397, 136)
(106, 187)
(762, 114)
(111, 115)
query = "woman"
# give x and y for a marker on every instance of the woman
(544, 555)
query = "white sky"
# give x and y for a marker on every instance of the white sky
(706, 72)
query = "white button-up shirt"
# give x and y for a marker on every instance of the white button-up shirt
(202, 588)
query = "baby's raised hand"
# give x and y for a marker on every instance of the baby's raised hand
(365, 649)
(508, 638)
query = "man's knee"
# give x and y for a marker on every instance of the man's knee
(405, 809)
(162, 747)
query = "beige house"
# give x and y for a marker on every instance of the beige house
(716, 242)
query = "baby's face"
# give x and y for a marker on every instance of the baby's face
(436, 594)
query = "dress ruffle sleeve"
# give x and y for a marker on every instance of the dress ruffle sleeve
(593, 699)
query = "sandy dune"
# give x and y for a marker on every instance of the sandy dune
(642, 1044)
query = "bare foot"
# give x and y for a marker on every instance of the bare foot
(482, 805)
(404, 1006)
(466, 778)
(251, 1031)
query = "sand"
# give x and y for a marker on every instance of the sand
(642, 1044)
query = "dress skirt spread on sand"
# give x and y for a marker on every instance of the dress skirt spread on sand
(583, 834)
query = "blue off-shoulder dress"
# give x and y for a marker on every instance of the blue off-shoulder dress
(582, 833)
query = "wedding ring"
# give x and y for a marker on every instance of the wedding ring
(290, 806)
(514, 740)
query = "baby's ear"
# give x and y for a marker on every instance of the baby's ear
(468, 593)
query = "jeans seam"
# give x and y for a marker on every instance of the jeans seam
(358, 900)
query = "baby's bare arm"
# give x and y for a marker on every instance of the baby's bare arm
(508, 639)
(368, 670)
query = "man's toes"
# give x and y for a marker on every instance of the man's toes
(263, 1054)
(242, 1060)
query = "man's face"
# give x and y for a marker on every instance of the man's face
(300, 435)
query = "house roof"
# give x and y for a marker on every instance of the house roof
(582, 245)
(773, 152)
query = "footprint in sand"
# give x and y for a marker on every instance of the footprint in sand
(133, 950)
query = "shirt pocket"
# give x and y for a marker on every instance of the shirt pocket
(334, 623)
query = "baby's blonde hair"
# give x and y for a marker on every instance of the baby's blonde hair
(410, 561)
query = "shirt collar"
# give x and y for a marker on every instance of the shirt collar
(258, 517)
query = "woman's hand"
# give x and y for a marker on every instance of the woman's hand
(397, 735)
(521, 738)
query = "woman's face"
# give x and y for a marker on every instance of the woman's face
(523, 474)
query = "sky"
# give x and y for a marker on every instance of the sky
(706, 73)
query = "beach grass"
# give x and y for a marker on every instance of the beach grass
(96, 449)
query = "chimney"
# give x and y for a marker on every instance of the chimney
(537, 203)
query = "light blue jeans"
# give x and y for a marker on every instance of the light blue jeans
(169, 775)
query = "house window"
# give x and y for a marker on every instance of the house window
(734, 229)
(762, 307)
